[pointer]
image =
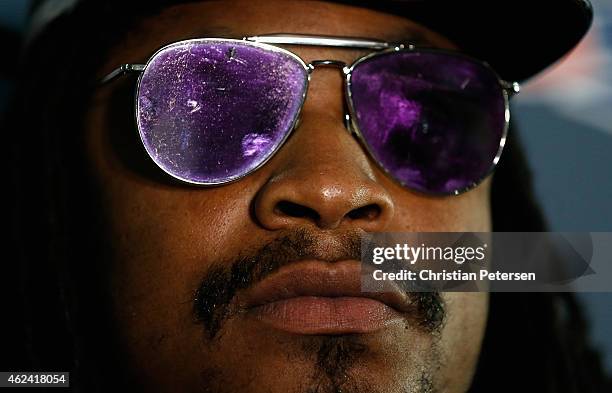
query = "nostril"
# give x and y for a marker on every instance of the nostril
(368, 213)
(296, 210)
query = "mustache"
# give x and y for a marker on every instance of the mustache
(213, 298)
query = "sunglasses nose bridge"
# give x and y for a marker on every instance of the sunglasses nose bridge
(345, 70)
(326, 63)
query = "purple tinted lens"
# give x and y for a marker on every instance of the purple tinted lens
(433, 120)
(211, 111)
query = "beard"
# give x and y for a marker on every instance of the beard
(400, 360)
(333, 364)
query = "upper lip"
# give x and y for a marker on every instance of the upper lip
(321, 279)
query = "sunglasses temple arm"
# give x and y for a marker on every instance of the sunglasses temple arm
(122, 70)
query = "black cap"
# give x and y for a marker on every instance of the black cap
(518, 38)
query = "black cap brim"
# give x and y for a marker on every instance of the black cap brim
(518, 38)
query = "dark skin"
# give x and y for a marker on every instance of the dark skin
(166, 236)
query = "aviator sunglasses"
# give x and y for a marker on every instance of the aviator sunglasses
(210, 111)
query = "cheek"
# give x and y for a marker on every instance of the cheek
(467, 212)
(163, 243)
(163, 240)
(462, 338)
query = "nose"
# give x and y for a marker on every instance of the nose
(322, 177)
(326, 198)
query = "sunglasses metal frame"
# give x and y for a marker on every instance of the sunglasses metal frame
(269, 42)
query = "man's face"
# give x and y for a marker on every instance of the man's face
(250, 286)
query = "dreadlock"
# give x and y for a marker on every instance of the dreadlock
(535, 342)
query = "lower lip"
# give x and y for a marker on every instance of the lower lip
(326, 315)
